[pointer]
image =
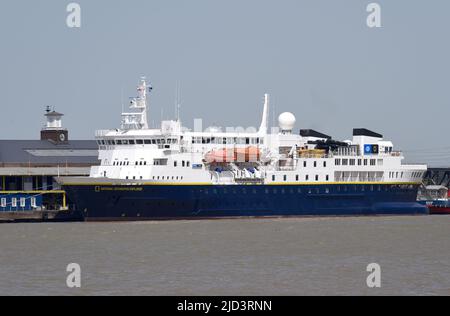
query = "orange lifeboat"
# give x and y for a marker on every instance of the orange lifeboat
(249, 154)
(220, 155)
(224, 155)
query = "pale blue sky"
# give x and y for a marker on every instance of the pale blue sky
(317, 59)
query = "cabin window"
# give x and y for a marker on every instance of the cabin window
(147, 141)
(273, 178)
(297, 177)
(324, 164)
(315, 164)
(307, 177)
(304, 164)
(345, 162)
(359, 162)
(183, 163)
(188, 164)
(175, 164)
(365, 162)
(131, 142)
(327, 178)
(337, 162)
(118, 142)
(352, 162)
(3, 202)
(285, 178)
(317, 178)
(14, 202)
(140, 142)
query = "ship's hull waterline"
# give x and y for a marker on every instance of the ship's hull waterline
(198, 201)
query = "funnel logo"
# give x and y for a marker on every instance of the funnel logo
(371, 149)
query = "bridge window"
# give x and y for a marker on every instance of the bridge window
(139, 142)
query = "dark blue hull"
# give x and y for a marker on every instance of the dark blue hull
(152, 202)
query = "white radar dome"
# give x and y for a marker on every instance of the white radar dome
(286, 121)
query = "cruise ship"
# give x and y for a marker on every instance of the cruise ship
(176, 173)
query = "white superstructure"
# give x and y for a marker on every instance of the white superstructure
(173, 155)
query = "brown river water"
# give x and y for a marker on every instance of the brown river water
(304, 256)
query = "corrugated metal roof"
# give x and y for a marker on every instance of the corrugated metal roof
(24, 151)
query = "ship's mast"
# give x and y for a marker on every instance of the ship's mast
(138, 118)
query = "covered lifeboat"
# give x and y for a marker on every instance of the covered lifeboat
(228, 155)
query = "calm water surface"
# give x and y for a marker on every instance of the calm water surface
(312, 256)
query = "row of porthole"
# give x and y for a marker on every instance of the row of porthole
(346, 188)
(168, 178)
